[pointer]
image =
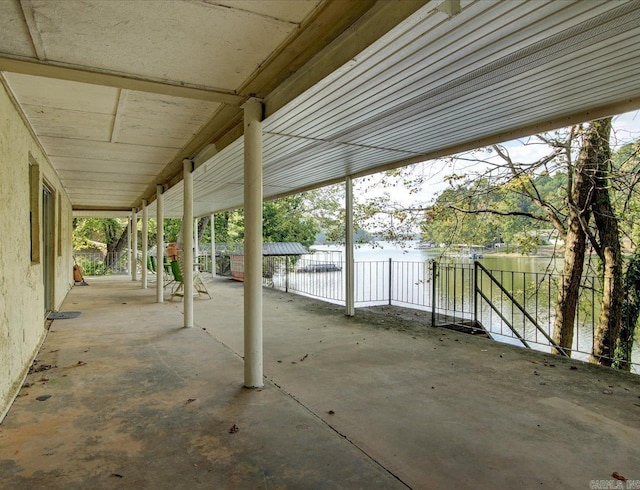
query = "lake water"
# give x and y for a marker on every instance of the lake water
(406, 281)
(383, 251)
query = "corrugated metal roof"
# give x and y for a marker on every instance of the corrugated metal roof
(350, 88)
(277, 248)
(283, 248)
(435, 84)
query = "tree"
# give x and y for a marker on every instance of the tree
(111, 232)
(607, 246)
(586, 194)
(581, 197)
(284, 220)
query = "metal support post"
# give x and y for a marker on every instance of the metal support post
(434, 296)
(253, 244)
(475, 292)
(390, 279)
(213, 245)
(134, 244)
(350, 309)
(196, 245)
(129, 250)
(160, 244)
(187, 240)
(286, 274)
(145, 243)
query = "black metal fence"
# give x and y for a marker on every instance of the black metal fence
(513, 307)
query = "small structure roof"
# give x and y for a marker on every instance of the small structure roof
(276, 248)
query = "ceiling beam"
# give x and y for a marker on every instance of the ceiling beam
(117, 120)
(373, 24)
(590, 114)
(353, 26)
(34, 32)
(94, 77)
(628, 105)
(101, 212)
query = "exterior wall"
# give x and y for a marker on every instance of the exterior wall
(22, 316)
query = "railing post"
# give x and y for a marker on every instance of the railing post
(475, 292)
(434, 266)
(286, 274)
(390, 281)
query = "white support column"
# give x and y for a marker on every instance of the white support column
(134, 244)
(349, 306)
(129, 250)
(213, 245)
(160, 244)
(196, 245)
(145, 243)
(187, 242)
(253, 244)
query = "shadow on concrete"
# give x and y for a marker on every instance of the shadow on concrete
(137, 403)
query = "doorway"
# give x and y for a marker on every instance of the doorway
(48, 244)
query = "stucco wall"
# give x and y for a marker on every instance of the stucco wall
(22, 317)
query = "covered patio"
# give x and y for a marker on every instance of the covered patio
(137, 401)
(162, 109)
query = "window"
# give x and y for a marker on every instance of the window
(59, 227)
(34, 209)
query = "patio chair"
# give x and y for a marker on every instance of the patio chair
(151, 264)
(169, 277)
(178, 271)
(178, 288)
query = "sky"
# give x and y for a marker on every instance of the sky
(626, 128)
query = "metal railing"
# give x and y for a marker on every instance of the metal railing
(101, 263)
(315, 278)
(480, 272)
(513, 307)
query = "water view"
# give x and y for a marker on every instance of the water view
(386, 274)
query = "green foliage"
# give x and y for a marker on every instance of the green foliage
(486, 213)
(284, 220)
(172, 228)
(102, 230)
(626, 189)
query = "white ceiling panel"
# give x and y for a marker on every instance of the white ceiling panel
(63, 94)
(107, 166)
(91, 150)
(167, 133)
(99, 178)
(441, 80)
(103, 194)
(292, 11)
(156, 107)
(63, 123)
(493, 68)
(14, 33)
(75, 183)
(158, 39)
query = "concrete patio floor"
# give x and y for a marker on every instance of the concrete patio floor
(137, 401)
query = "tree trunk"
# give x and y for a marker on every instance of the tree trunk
(202, 226)
(630, 314)
(569, 287)
(115, 248)
(115, 243)
(608, 327)
(580, 198)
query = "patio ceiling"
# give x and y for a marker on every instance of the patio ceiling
(350, 88)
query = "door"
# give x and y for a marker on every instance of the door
(48, 244)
